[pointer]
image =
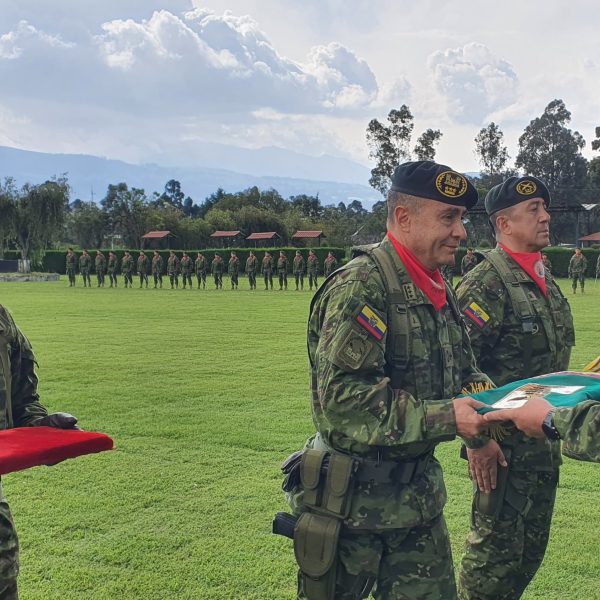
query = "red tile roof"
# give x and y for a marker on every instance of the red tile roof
(156, 234)
(268, 235)
(593, 237)
(225, 234)
(307, 234)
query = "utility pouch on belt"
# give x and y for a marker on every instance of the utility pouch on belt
(315, 547)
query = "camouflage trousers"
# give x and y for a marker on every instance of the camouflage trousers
(268, 277)
(299, 280)
(201, 279)
(578, 277)
(401, 564)
(282, 280)
(186, 278)
(252, 280)
(86, 278)
(505, 549)
(9, 553)
(312, 279)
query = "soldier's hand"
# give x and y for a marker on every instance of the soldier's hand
(469, 423)
(60, 420)
(483, 464)
(528, 418)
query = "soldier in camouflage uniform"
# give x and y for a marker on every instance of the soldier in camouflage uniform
(330, 264)
(216, 269)
(598, 267)
(468, 263)
(251, 270)
(112, 269)
(173, 269)
(200, 268)
(85, 264)
(282, 271)
(71, 267)
(157, 268)
(520, 326)
(578, 427)
(127, 269)
(233, 269)
(388, 352)
(186, 270)
(547, 264)
(577, 267)
(100, 266)
(19, 407)
(142, 268)
(299, 270)
(267, 270)
(312, 269)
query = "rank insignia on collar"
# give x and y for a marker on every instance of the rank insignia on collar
(369, 319)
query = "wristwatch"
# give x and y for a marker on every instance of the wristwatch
(548, 426)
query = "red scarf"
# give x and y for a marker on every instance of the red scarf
(532, 264)
(431, 283)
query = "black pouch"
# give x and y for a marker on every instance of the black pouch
(291, 469)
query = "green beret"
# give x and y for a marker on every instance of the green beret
(514, 191)
(427, 179)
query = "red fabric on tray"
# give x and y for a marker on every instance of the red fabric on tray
(25, 447)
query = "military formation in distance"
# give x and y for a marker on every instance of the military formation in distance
(199, 267)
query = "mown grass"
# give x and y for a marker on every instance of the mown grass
(204, 394)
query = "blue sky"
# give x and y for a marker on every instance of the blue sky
(151, 81)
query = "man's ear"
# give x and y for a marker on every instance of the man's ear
(403, 218)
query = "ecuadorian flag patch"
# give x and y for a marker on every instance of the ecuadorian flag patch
(477, 314)
(371, 322)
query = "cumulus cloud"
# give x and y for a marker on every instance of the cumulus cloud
(473, 81)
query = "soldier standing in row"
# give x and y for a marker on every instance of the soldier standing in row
(299, 270)
(547, 263)
(85, 264)
(186, 270)
(598, 267)
(111, 269)
(251, 270)
(267, 270)
(100, 265)
(330, 265)
(577, 267)
(233, 269)
(468, 263)
(142, 268)
(520, 326)
(312, 267)
(157, 268)
(173, 269)
(282, 270)
(388, 352)
(127, 269)
(71, 267)
(200, 268)
(216, 269)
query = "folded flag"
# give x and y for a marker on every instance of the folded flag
(25, 447)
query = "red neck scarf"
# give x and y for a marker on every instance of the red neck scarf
(532, 264)
(429, 282)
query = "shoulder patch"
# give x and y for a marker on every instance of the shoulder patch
(477, 314)
(370, 320)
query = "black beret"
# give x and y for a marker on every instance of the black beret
(514, 191)
(427, 179)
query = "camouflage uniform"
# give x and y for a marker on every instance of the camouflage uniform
(510, 526)
(85, 264)
(577, 267)
(111, 269)
(173, 270)
(298, 267)
(447, 272)
(187, 268)
(386, 400)
(216, 269)
(100, 266)
(547, 264)
(19, 406)
(579, 428)
(200, 268)
(267, 271)
(233, 269)
(127, 269)
(142, 269)
(282, 271)
(70, 268)
(312, 269)
(157, 269)
(251, 271)
(330, 265)
(468, 263)
(598, 267)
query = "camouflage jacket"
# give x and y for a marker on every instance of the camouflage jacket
(127, 264)
(251, 264)
(99, 262)
(186, 266)
(19, 400)
(510, 347)
(579, 428)
(85, 262)
(112, 264)
(356, 409)
(267, 266)
(598, 266)
(312, 265)
(200, 265)
(70, 263)
(282, 265)
(216, 267)
(142, 265)
(577, 264)
(329, 266)
(233, 267)
(157, 264)
(298, 265)
(467, 264)
(172, 265)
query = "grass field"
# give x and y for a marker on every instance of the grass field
(205, 393)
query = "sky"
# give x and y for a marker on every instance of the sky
(154, 80)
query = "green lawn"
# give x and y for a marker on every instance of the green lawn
(205, 393)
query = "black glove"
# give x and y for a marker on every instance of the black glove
(60, 420)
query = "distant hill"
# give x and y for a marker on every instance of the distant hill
(86, 173)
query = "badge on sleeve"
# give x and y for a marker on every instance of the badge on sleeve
(369, 319)
(477, 314)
